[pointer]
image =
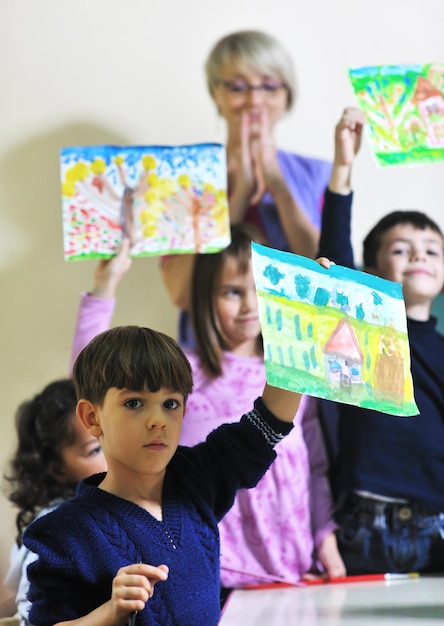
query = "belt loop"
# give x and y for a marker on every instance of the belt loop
(379, 520)
(441, 525)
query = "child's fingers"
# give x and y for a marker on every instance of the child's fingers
(352, 118)
(151, 572)
(125, 245)
(134, 574)
(121, 263)
(324, 262)
(134, 584)
(164, 568)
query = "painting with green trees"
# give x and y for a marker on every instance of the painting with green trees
(337, 334)
(404, 107)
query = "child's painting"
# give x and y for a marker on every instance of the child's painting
(337, 334)
(404, 106)
(166, 199)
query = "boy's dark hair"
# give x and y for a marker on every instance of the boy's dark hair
(44, 424)
(206, 273)
(372, 242)
(131, 357)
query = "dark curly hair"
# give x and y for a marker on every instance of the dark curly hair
(44, 425)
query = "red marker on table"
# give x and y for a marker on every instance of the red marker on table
(331, 581)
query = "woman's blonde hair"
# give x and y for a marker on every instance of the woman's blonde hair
(258, 52)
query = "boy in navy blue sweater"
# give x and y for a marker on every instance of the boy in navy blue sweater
(144, 537)
(389, 473)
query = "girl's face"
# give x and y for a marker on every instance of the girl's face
(236, 308)
(234, 98)
(82, 458)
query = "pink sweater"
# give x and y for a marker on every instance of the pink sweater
(272, 530)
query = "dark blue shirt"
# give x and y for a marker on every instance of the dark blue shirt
(87, 539)
(399, 457)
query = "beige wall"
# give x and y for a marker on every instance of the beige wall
(130, 71)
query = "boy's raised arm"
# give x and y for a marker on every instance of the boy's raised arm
(348, 135)
(282, 403)
(335, 239)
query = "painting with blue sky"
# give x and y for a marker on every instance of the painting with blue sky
(165, 199)
(337, 334)
(404, 107)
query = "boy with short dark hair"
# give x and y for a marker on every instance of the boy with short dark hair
(151, 520)
(389, 474)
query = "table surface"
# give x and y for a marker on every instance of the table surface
(412, 602)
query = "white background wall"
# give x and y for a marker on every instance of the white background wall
(131, 72)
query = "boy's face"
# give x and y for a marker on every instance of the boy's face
(139, 430)
(415, 258)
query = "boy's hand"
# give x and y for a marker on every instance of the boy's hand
(324, 262)
(109, 272)
(133, 586)
(348, 135)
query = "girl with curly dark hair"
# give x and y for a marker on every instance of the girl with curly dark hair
(54, 452)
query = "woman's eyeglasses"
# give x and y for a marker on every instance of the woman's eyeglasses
(241, 87)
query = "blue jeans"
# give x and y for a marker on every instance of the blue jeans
(379, 537)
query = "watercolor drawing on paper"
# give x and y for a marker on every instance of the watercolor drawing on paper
(404, 107)
(337, 334)
(166, 199)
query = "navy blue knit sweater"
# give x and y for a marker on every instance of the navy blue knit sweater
(83, 543)
(401, 457)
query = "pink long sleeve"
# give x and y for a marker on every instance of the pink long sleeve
(94, 316)
(270, 530)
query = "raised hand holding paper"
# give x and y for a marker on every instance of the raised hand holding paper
(337, 334)
(166, 199)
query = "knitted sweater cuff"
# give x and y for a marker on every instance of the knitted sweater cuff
(271, 428)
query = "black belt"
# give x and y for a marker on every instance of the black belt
(403, 511)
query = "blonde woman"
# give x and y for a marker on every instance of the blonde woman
(251, 80)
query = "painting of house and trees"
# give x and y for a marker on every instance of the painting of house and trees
(337, 334)
(404, 107)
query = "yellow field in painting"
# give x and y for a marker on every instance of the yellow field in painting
(296, 336)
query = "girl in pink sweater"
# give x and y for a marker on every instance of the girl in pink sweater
(283, 527)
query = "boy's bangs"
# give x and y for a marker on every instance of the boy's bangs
(134, 358)
(151, 365)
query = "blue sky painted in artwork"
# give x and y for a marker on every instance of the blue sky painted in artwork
(356, 293)
(384, 70)
(204, 161)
